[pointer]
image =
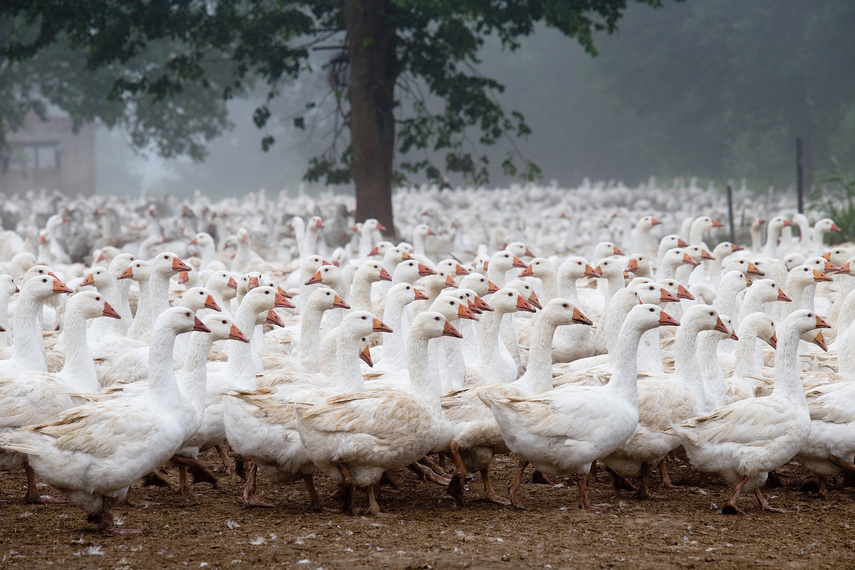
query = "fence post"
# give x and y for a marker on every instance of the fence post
(800, 175)
(730, 211)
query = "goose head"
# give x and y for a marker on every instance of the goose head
(361, 323)
(539, 267)
(90, 304)
(766, 290)
(222, 327)
(410, 271)
(704, 318)
(432, 324)
(576, 267)
(179, 320)
(167, 263)
(452, 266)
(647, 316)
(324, 298)
(452, 306)
(138, 270)
(371, 272)
(478, 283)
(508, 300)
(197, 298)
(560, 311)
(519, 249)
(527, 291)
(804, 320)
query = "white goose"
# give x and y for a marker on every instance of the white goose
(745, 440)
(563, 430)
(355, 438)
(94, 452)
(663, 400)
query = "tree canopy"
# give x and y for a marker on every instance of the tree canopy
(405, 84)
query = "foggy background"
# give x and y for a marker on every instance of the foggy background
(690, 89)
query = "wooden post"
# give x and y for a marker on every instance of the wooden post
(730, 211)
(800, 176)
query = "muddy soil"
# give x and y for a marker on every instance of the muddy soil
(676, 528)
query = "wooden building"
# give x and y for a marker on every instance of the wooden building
(49, 155)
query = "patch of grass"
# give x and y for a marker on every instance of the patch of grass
(834, 197)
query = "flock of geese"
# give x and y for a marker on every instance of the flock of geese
(317, 347)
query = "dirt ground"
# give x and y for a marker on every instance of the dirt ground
(212, 528)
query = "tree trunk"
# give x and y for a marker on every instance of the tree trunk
(371, 40)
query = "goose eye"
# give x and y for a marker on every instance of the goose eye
(565, 306)
(223, 321)
(267, 292)
(44, 280)
(711, 314)
(408, 287)
(97, 298)
(364, 318)
(436, 318)
(651, 310)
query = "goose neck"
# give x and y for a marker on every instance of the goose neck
(79, 368)
(788, 383)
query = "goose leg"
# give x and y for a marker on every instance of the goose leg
(183, 487)
(663, 474)
(516, 481)
(249, 496)
(764, 504)
(426, 473)
(489, 493)
(346, 489)
(315, 505)
(228, 467)
(730, 508)
(584, 501)
(621, 483)
(200, 472)
(33, 495)
(458, 481)
(644, 488)
(373, 506)
(106, 525)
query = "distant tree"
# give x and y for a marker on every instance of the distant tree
(726, 86)
(382, 50)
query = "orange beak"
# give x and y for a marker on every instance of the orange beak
(274, 319)
(821, 323)
(183, 277)
(316, 278)
(591, 272)
(126, 274)
(844, 269)
(192, 242)
(210, 303)
(325, 262)
(365, 356)
(463, 312)
(518, 262)
(788, 223)
(535, 302)
(492, 287)
(449, 330)
(374, 252)
(681, 243)
(384, 275)
(706, 255)
(110, 311)
(523, 305)
(834, 228)
(734, 248)
(631, 265)
(319, 223)
(773, 342)
(688, 259)
(580, 318)
(405, 256)
(253, 283)
(528, 253)
(667, 320)
(482, 304)
(379, 326)
(819, 276)
(720, 326)
(819, 340)
(419, 295)
(178, 265)
(666, 297)
(449, 281)
(236, 334)
(282, 302)
(59, 287)
(654, 222)
(283, 292)
(782, 296)
(199, 326)
(460, 270)
(827, 256)
(754, 270)
(425, 270)
(431, 232)
(339, 302)
(683, 293)
(527, 272)
(88, 280)
(733, 336)
(717, 224)
(381, 227)
(232, 284)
